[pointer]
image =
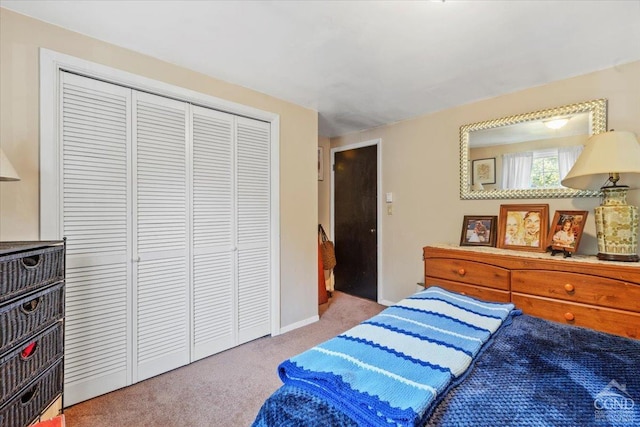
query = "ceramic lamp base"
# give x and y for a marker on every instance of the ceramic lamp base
(617, 226)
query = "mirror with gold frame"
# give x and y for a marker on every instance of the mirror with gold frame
(538, 134)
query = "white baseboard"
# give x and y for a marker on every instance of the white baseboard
(299, 324)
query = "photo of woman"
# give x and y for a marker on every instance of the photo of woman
(514, 229)
(566, 230)
(565, 237)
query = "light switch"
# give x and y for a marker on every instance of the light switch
(389, 198)
(389, 209)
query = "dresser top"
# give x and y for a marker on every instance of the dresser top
(537, 255)
(12, 247)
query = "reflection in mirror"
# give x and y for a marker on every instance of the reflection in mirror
(526, 156)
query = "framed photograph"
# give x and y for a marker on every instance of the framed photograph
(566, 230)
(523, 227)
(320, 164)
(484, 171)
(479, 230)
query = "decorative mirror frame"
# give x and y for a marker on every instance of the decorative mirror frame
(598, 118)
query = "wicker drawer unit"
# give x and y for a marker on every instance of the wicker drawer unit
(32, 286)
(580, 290)
(25, 407)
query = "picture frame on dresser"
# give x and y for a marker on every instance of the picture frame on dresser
(479, 230)
(565, 230)
(523, 227)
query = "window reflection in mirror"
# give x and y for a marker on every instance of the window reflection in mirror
(532, 151)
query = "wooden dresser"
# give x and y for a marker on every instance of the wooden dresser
(581, 291)
(32, 286)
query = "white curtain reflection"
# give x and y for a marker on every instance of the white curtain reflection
(516, 170)
(567, 157)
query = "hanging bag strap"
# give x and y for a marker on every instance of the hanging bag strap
(327, 251)
(323, 235)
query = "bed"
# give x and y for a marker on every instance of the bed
(521, 371)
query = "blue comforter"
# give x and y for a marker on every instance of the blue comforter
(534, 373)
(392, 368)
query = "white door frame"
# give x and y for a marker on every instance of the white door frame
(377, 142)
(51, 63)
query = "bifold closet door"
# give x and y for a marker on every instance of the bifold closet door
(253, 230)
(214, 250)
(95, 142)
(166, 210)
(161, 236)
(231, 231)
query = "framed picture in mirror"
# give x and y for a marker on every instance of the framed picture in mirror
(523, 227)
(484, 171)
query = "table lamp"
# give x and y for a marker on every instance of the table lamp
(7, 172)
(607, 158)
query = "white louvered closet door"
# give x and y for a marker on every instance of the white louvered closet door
(253, 230)
(214, 284)
(95, 143)
(161, 243)
(166, 210)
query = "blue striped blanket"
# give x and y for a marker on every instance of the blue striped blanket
(393, 368)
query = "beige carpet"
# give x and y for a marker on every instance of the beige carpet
(226, 389)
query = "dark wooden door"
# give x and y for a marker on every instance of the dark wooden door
(355, 221)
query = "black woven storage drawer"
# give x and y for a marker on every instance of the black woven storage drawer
(26, 271)
(29, 315)
(27, 361)
(25, 407)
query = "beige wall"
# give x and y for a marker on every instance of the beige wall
(420, 167)
(20, 40)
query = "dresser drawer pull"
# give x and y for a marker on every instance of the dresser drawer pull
(461, 271)
(569, 287)
(29, 351)
(569, 316)
(30, 306)
(28, 396)
(31, 261)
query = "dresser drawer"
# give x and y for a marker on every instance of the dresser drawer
(26, 406)
(27, 271)
(578, 287)
(30, 314)
(27, 361)
(486, 294)
(474, 273)
(604, 319)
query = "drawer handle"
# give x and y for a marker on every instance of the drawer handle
(29, 351)
(461, 271)
(569, 316)
(28, 396)
(569, 287)
(30, 306)
(31, 261)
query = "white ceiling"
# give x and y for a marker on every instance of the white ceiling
(362, 64)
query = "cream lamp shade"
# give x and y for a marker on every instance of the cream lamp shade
(606, 153)
(7, 172)
(607, 158)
